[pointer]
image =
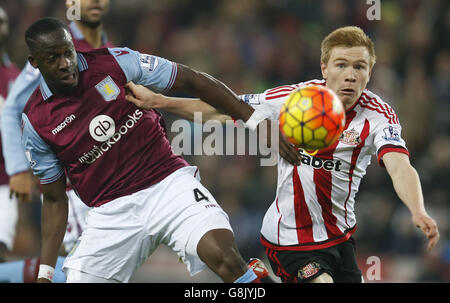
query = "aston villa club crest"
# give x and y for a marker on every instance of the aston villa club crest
(108, 89)
(350, 137)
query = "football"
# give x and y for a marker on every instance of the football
(312, 117)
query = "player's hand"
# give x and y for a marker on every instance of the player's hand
(43, 280)
(143, 97)
(428, 227)
(20, 186)
(286, 150)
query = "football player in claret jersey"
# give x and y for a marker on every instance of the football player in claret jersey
(8, 206)
(307, 231)
(119, 161)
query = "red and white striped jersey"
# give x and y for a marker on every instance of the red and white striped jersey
(314, 204)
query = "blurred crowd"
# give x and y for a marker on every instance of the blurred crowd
(253, 45)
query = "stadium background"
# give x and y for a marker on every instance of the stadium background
(252, 45)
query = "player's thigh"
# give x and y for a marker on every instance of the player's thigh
(323, 278)
(114, 243)
(187, 211)
(303, 266)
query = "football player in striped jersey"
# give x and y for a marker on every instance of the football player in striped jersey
(307, 231)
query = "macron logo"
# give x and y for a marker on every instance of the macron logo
(63, 124)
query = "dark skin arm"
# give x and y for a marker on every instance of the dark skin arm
(54, 221)
(211, 91)
(216, 94)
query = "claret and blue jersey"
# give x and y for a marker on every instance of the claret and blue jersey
(106, 145)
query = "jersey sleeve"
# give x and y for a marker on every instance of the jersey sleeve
(41, 159)
(270, 108)
(153, 72)
(388, 139)
(20, 92)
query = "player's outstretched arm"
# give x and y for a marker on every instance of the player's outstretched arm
(54, 222)
(186, 108)
(406, 183)
(211, 91)
(182, 107)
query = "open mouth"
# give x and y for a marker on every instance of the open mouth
(347, 91)
(69, 79)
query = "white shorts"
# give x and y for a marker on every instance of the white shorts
(9, 214)
(76, 220)
(121, 234)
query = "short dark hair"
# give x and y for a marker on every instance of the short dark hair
(42, 27)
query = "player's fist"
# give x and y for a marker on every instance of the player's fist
(143, 97)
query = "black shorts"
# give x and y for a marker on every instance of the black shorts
(338, 261)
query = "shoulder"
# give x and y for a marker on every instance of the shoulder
(94, 54)
(105, 55)
(284, 90)
(103, 61)
(374, 106)
(33, 103)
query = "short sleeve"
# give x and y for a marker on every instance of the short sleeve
(42, 160)
(269, 108)
(154, 72)
(388, 139)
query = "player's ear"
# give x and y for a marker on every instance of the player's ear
(32, 61)
(323, 68)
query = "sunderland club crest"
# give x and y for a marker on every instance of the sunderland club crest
(350, 137)
(308, 271)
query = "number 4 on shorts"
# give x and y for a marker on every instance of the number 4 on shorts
(199, 196)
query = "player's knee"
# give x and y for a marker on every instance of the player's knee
(323, 278)
(226, 261)
(221, 256)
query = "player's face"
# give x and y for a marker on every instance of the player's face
(92, 11)
(347, 72)
(4, 29)
(57, 61)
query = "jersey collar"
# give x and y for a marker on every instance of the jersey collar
(45, 90)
